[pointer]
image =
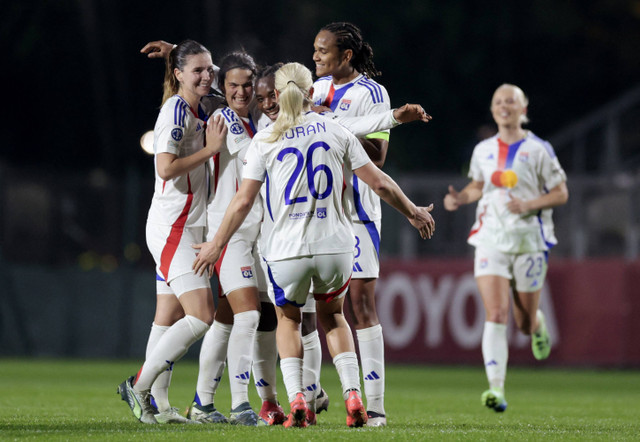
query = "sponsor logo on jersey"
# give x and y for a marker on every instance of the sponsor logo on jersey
(318, 102)
(321, 212)
(301, 215)
(344, 105)
(176, 134)
(247, 272)
(236, 129)
(490, 157)
(356, 267)
(198, 127)
(240, 138)
(484, 262)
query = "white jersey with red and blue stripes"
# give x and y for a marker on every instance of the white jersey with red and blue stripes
(180, 201)
(304, 200)
(361, 96)
(227, 167)
(538, 170)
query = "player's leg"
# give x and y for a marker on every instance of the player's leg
(493, 280)
(212, 360)
(530, 271)
(329, 289)
(317, 398)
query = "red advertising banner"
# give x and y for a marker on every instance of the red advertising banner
(431, 312)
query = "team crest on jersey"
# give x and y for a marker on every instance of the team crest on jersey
(523, 156)
(344, 105)
(247, 272)
(176, 134)
(321, 212)
(236, 129)
(484, 262)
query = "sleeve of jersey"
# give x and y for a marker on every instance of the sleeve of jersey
(475, 172)
(237, 136)
(254, 169)
(379, 103)
(366, 125)
(356, 154)
(170, 129)
(550, 170)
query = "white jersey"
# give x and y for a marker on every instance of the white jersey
(304, 179)
(361, 96)
(181, 200)
(227, 174)
(538, 170)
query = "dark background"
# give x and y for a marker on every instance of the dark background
(80, 94)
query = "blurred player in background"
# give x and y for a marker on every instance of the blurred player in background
(516, 179)
(177, 218)
(311, 240)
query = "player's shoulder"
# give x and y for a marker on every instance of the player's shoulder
(535, 142)
(488, 143)
(372, 88)
(175, 111)
(323, 80)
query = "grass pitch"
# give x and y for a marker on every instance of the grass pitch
(77, 400)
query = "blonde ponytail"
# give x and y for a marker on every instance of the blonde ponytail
(293, 82)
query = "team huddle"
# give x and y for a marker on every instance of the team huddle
(272, 181)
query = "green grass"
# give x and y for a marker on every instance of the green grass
(77, 400)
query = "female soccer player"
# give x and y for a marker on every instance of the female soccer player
(176, 220)
(311, 240)
(344, 66)
(516, 179)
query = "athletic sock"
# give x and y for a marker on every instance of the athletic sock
(173, 344)
(371, 344)
(265, 359)
(213, 354)
(240, 355)
(160, 387)
(347, 366)
(495, 351)
(311, 365)
(292, 375)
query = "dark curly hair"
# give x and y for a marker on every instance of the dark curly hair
(349, 36)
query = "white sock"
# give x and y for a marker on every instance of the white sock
(495, 351)
(240, 355)
(347, 365)
(292, 375)
(265, 360)
(213, 354)
(311, 365)
(371, 346)
(173, 345)
(160, 387)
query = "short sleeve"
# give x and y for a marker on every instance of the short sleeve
(549, 168)
(255, 167)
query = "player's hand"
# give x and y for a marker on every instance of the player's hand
(320, 109)
(451, 201)
(424, 222)
(215, 134)
(517, 206)
(157, 49)
(411, 112)
(206, 258)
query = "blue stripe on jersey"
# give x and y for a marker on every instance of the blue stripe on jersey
(549, 244)
(159, 278)
(511, 155)
(278, 292)
(374, 89)
(362, 216)
(328, 77)
(202, 114)
(229, 115)
(546, 145)
(180, 111)
(268, 198)
(337, 96)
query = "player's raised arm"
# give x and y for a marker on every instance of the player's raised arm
(157, 49)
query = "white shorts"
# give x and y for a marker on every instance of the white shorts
(527, 270)
(236, 268)
(171, 249)
(366, 262)
(162, 288)
(292, 278)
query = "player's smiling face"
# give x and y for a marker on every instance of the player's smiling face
(327, 56)
(196, 76)
(266, 97)
(238, 90)
(507, 107)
